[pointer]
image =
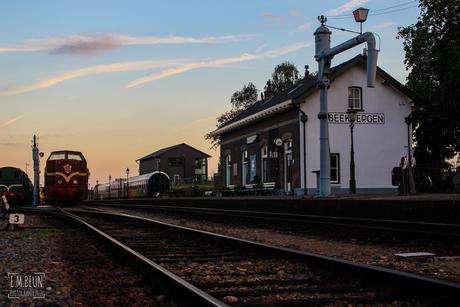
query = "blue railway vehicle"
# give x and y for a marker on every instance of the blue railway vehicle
(16, 186)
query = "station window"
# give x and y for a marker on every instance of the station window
(355, 98)
(264, 164)
(335, 167)
(244, 170)
(200, 166)
(177, 161)
(228, 166)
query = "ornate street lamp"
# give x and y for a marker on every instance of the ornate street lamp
(127, 186)
(352, 118)
(360, 16)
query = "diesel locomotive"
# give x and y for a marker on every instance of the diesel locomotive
(66, 178)
(16, 186)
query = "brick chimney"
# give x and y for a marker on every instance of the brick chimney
(307, 73)
(268, 91)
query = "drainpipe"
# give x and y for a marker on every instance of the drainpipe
(304, 119)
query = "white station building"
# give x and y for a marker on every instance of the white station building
(277, 139)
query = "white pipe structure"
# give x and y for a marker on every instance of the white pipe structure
(324, 55)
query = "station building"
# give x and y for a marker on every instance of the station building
(178, 162)
(277, 138)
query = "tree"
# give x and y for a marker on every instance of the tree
(432, 49)
(285, 75)
(240, 100)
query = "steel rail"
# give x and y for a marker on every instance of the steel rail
(415, 286)
(185, 293)
(320, 220)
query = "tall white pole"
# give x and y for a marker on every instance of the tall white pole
(35, 156)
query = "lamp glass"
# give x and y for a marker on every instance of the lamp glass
(360, 14)
(351, 115)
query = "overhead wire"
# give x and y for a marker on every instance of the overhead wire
(372, 13)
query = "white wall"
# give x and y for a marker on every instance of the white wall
(378, 147)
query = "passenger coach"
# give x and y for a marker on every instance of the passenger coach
(147, 185)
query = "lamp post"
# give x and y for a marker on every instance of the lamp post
(110, 179)
(97, 189)
(360, 16)
(352, 118)
(127, 186)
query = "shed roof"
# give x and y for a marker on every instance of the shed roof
(162, 151)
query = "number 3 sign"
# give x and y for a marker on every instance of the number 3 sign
(16, 218)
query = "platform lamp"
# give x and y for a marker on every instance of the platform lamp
(351, 112)
(97, 189)
(360, 16)
(127, 186)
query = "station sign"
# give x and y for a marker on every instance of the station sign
(361, 118)
(252, 139)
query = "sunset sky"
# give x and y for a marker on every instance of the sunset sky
(118, 80)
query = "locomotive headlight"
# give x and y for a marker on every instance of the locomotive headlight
(75, 182)
(59, 181)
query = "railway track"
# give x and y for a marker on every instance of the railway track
(443, 230)
(214, 270)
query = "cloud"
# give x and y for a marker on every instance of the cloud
(90, 71)
(196, 124)
(273, 17)
(245, 57)
(183, 65)
(90, 45)
(306, 26)
(346, 7)
(296, 14)
(384, 25)
(13, 120)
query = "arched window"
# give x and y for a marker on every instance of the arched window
(228, 166)
(264, 164)
(244, 170)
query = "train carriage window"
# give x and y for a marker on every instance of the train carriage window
(1, 175)
(75, 156)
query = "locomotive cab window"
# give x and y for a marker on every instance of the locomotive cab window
(57, 156)
(75, 156)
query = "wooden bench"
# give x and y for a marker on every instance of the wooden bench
(267, 189)
(229, 191)
(248, 190)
